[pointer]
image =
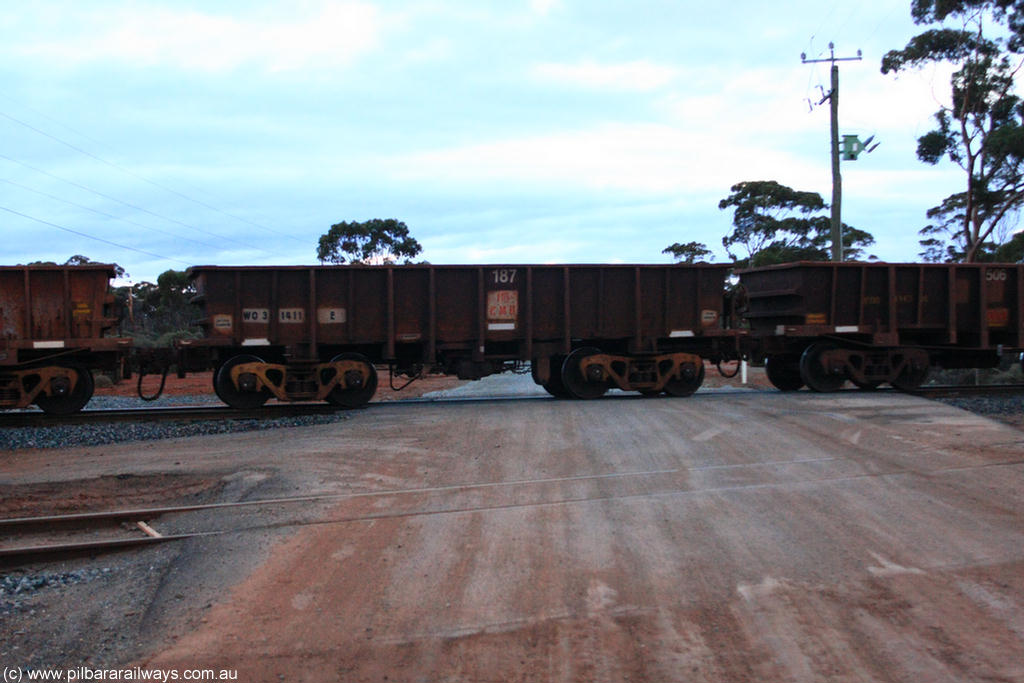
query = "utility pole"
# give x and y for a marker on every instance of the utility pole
(837, 179)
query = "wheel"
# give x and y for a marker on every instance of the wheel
(354, 396)
(783, 372)
(685, 387)
(574, 381)
(554, 385)
(234, 397)
(813, 371)
(911, 377)
(556, 388)
(70, 401)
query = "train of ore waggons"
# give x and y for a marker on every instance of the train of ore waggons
(322, 333)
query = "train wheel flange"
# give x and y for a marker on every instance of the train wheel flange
(576, 383)
(554, 385)
(67, 399)
(783, 372)
(687, 385)
(236, 397)
(354, 391)
(815, 371)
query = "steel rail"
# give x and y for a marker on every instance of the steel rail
(147, 513)
(19, 555)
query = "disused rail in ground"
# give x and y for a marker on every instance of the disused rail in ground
(131, 522)
(135, 530)
(118, 536)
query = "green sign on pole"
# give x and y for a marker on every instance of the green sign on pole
(852, 147)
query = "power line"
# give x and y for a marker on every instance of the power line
(92, 237)
(106, 215)
(143, 178)
(53, 120)
(129, 205)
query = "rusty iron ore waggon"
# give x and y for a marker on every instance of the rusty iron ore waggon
(821, 323)
(320, 333)
(317, 333)
(56, 325)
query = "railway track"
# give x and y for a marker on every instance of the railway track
(215, 413)
(35, 418)
(163, 414)
(286, 410)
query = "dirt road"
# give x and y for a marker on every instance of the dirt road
(727, 537)
(775, 538)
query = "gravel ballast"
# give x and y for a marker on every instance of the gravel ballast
(69, 436)
(999, 407)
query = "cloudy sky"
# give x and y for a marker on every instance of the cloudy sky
(163, 134)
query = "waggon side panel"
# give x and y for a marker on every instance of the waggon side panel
(13, 313)
(967, 305)
(437, 308)
(51, 304)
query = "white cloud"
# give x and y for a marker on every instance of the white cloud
(634, 76)
(332, 35)
(543, 7)
(631, 157)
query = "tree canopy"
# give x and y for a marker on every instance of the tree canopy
(157, 314)
(980, 129)
(774, 223)
(691, 252)
(79, 260)
(373, 242)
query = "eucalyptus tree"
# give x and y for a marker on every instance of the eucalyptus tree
(980, 128)
(773, 223)
(373, 242)
(690, 252)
